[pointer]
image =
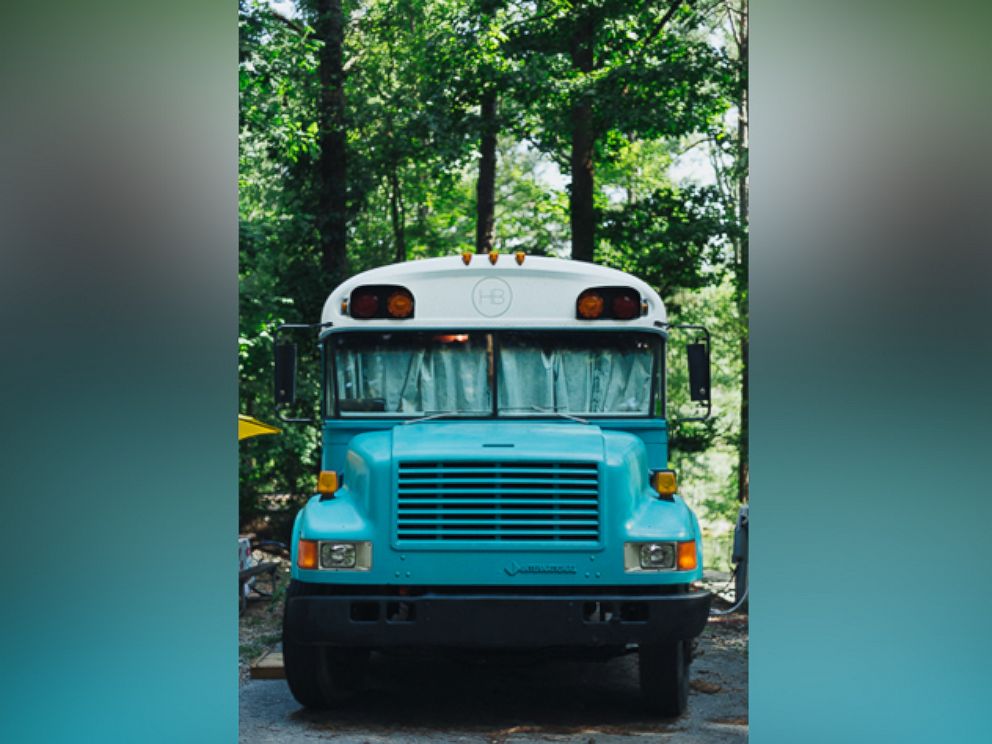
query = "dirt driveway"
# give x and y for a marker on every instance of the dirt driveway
(437, 699)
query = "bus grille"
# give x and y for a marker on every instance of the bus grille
(498, 501)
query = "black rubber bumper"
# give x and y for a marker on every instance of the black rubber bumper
(503, 621)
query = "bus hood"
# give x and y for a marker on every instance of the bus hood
(484, 440)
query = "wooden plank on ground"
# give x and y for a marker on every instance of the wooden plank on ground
(268, 666)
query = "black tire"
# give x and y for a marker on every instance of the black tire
(740, 557)
(320, 676)
(664, 672)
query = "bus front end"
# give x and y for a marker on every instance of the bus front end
(494, 476)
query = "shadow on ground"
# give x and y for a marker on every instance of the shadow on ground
(435, 698)
(434, 693)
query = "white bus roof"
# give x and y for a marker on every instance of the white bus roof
(539, 293)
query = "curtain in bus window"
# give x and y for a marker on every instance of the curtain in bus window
(526, 379)
(608, 381)
(411, 381)
(582, 380)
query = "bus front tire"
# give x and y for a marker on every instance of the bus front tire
(322, 676)
(664, 673)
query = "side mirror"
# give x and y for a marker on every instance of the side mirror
(699, 372)
(285, 374)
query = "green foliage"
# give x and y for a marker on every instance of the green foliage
(673, 238)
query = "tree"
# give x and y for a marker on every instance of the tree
(412, 126)
(602, 71)
(485, 192)
(673, 238)
(332, 164)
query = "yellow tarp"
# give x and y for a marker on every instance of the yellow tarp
(252, 427)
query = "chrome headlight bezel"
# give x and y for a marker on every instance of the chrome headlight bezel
(634, 554)
(359, 552)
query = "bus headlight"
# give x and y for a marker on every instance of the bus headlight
(649, 556)
(657, 555)
(346, 556)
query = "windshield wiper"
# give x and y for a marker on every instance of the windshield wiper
(463, 414)
(568, 416)
(440, 414)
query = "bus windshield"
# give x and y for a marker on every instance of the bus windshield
(534, 372)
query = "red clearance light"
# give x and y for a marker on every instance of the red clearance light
(364, 305)
(400, 304)
(590, 305)
(626, 306)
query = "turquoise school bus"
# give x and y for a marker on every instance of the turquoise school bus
(494, 474)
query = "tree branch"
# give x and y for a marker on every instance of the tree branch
(289, 22)
(663, 22)
(695, 144)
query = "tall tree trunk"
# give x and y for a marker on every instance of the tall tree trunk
(582, 211)
(332, 208)
(485, 187)
(743, 296)
(398, 214)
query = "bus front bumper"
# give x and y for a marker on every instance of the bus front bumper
(495, 621)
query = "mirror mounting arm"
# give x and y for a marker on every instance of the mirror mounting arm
(298, 326)
(280, 412)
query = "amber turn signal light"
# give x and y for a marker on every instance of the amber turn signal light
(306, 554)
(590, 305)
(687, 555)
(327, 482)
(400, 305)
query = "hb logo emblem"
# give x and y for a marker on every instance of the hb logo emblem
(492, 297)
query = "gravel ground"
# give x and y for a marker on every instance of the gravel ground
(427, 699)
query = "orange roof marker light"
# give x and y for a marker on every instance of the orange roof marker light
(520, 256)
(467, 257)
(493, 257)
